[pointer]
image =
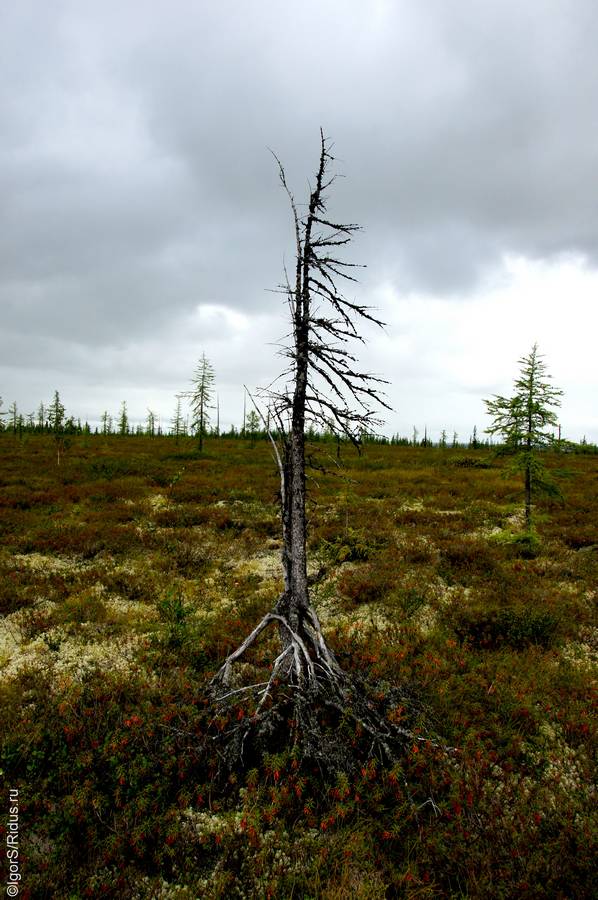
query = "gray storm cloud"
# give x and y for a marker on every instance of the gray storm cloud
(137, 184)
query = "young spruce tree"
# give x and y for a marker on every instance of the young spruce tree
(150, 423)
(56, 424)
(200, 397)
(526, 421)
(177, 423)
(252, 426)
(123, 420)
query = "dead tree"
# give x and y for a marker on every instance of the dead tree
(321, 385)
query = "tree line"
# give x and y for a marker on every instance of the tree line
(51, 417)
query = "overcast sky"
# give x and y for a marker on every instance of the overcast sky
(142, 222)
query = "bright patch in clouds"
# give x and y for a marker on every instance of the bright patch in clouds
(457, 353)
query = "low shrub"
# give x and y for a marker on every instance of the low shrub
(514, 627)
(368, 583)
(84, 607)
(419, 551)
(113, 467)
(464, 559)
(132, 585)
(186, 516)
(470, 462)
(526, 545)
(175, 614)
(580, 537)
(351, 546)
(85, 541)
(24, 584)
(411, 599)
(187, 557)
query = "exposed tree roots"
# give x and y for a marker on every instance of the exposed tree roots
(308, 703)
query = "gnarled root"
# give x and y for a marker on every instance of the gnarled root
(304, 661)
(307, 700)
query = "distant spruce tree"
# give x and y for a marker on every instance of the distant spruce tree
(252, 426)
(106, 423)
(150, 423)
(56, 424)
(123, 419)
(177, 422)
(200, 397)
(523, 421)
(13, 412)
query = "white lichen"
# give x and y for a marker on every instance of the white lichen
(61, 657)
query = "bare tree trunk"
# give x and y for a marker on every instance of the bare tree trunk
(528, 464)
(317, 352)
(317, 348)
(298, 530)
(528, 487)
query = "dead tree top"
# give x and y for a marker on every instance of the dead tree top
(339, 396)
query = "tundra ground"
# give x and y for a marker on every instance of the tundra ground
(130, 571)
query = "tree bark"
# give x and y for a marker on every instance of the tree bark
(528, 492)
(528, 441)
(298, 530)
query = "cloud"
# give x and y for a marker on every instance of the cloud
(137, 183)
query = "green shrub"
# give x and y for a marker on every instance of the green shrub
(526, 545)
(174, 613)
(84, 607)
(470, 462)
(350, 546)
(182, 516)
(118, 467)
(511, 626)
(411, 600)
(137, 586)
(419, 551)
(462, 559)
(368, 583)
